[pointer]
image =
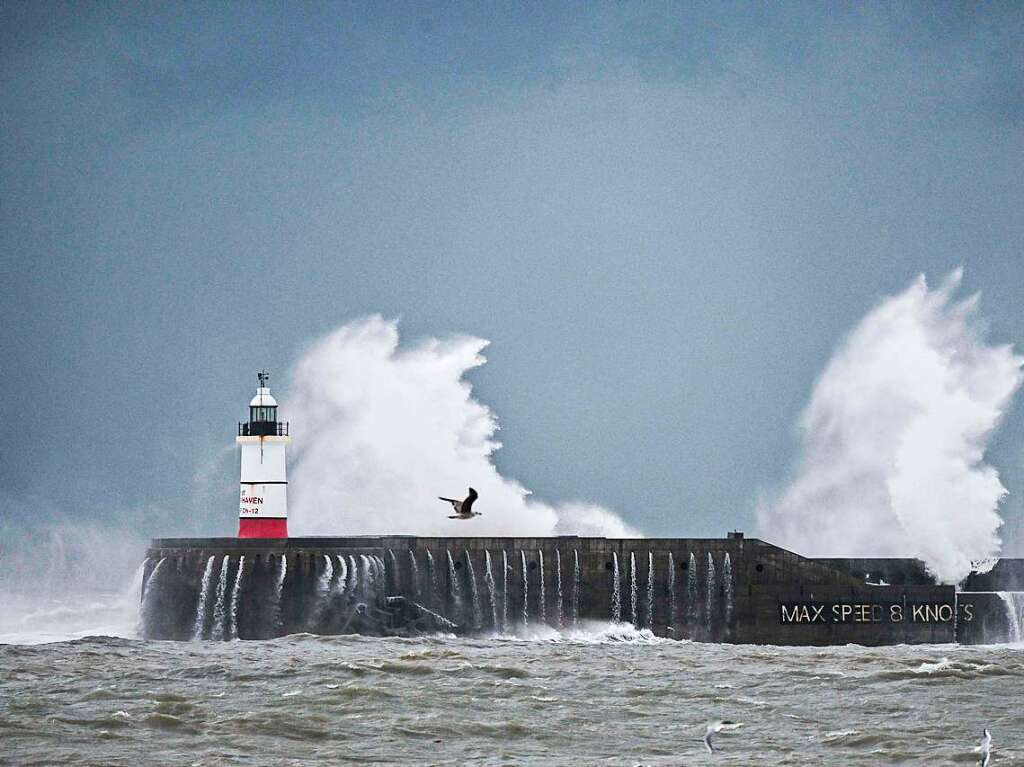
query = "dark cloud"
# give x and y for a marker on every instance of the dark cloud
(663, 220)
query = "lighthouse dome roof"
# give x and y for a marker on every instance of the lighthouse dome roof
(263, 398)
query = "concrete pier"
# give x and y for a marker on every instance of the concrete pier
(734, 589)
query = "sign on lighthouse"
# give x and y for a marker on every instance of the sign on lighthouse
(263, 496)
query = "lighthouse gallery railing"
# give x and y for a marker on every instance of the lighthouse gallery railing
(263, 429)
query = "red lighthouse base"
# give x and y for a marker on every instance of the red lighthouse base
(262, 528)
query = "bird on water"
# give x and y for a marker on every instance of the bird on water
(984, 748)
(716, 727)
(463, 508)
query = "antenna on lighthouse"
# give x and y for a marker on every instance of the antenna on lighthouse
(263, 376)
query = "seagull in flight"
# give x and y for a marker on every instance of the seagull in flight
(716, 727)
(984, 748)
(463, 508)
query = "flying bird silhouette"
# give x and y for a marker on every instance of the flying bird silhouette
(716, 727)
(463, 508)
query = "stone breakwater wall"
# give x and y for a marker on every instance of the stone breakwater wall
(734, 589)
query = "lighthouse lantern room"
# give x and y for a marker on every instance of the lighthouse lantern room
(263, 500)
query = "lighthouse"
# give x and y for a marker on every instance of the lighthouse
(263, 497)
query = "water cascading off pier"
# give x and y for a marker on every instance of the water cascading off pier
(732, 589)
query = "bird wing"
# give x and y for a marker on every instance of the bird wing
(467, 505)
(457, 505)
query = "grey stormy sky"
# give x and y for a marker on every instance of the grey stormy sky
(663, 218)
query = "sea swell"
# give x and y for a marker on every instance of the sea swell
(500, 700)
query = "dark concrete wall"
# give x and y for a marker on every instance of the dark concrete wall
(744, 608)
(983, 618)
(833, 614)
(894, 571)
(1007, 575)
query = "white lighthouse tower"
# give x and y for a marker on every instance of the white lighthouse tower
(263, 500)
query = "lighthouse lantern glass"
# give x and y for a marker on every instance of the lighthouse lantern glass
(262, 414)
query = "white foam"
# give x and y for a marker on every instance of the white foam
(586, 632)
(894, 439)
(931, 668)
(385, 429)
(33, 619)
(983, 566)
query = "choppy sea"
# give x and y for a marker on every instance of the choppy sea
(603, 695)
